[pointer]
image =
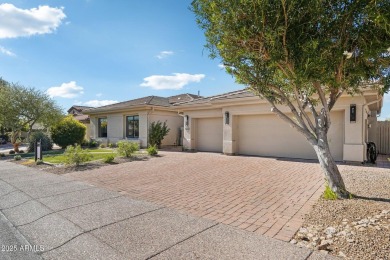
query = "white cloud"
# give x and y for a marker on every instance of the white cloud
(176, 82)
(66, 90)
(6, 51)
(99, 103)
(164, 54)
(16, 22)
(221, 66)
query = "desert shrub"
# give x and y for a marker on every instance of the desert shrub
(109, 158)
(12, 152)
(152, 150)
(67, 132)
(157, 132)
(17, 157)
(329, 194)
(39, 162)
(21, 151)
(2, 154)
(84, 143)
(126, 148)
(102, 146)
(92, 144)
(76, 155)
(46, 142)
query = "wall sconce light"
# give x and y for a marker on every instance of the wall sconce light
(227, 118)
(187, 120)
(352, 113)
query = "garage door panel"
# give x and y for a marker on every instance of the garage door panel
(268, 135)
(210, 134)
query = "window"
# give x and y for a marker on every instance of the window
(132, 126)
(102, 127)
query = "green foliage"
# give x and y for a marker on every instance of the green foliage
(329, 194)
(102, 146)
(277, 47)
(111, 145)
(76, 155)
(68, 131)
(46, 142)
(157, 132)
(17, 157)
(126, 148)
(5, 137)
(11, 152)
(39, 162)
(92, 143)
(2, 154)
(22, 107)
(109, 158)
(152, 150)
(21, 151)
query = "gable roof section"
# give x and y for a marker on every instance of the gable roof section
(78, 108)
(144, 101)
(225, 96)
(182, 98)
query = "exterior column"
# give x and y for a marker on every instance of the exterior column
(229, 133)
(354, 135)
(189, 135)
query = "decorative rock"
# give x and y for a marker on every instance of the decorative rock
(341, 254)
(293, 241)
(330, 230)
(350, 240)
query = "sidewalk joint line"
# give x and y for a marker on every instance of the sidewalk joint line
(166, 249)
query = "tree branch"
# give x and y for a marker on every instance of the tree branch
(309, 136)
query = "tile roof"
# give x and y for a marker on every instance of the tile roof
(225, 96)
(145, 101)
(81, 117)
(78, 108)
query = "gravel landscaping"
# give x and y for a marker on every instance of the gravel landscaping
(358, 228)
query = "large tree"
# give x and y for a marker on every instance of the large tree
(303, 54)
(22, 107)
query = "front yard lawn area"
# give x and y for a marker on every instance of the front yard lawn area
(97, 154)
(61, 158)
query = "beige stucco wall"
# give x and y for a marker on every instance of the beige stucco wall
(354, 134)
(116, 125)
(174, 123)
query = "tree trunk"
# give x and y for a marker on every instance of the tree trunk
(329, 167)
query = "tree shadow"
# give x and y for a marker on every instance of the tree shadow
(370, 198)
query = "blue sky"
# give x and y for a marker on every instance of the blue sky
(96, 52)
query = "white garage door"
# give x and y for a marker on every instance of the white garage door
(210, 134)
(268, 135)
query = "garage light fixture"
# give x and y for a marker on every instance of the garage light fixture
(352, 113)
(187, 120)
(227, 118)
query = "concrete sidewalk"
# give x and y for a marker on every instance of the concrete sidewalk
(47, 216)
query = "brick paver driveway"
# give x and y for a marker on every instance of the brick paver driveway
(263, 195)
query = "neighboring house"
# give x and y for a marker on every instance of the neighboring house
(241, 123)
(130, 120)
(77, 112)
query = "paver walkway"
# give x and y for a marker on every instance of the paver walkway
(51, 217)
(262, 195)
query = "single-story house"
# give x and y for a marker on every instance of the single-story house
(241, 123)
(77, 112)
(130, 120)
